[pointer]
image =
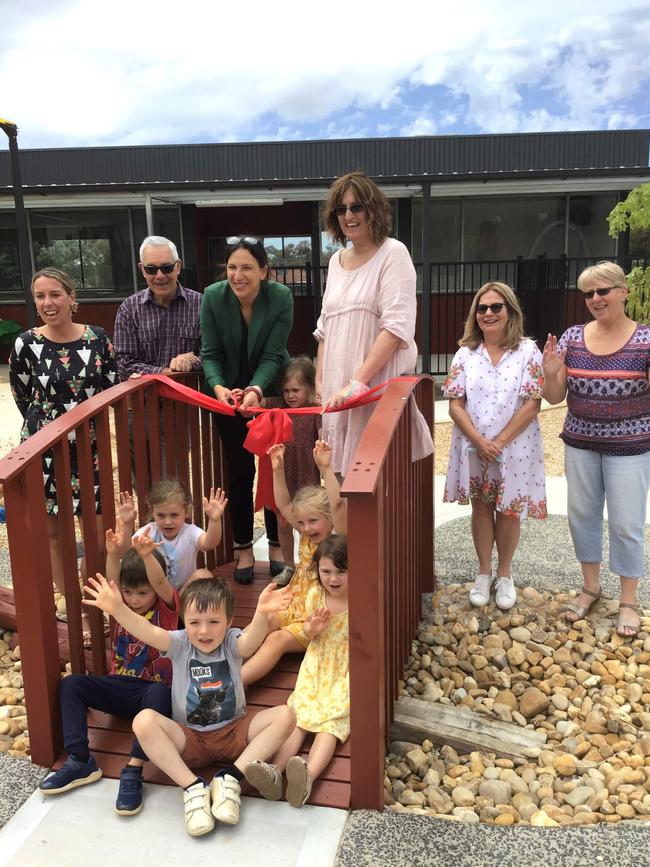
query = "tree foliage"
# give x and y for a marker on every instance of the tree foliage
(633, 214)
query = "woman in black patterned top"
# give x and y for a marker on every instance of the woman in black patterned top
(52, 369)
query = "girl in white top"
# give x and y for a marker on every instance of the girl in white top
(496, 460)
(179, 542)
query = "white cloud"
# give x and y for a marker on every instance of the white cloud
(78, 72)
(420, 126)
(449, 118)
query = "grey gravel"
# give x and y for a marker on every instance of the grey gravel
(544, 558)
(18, 779)
(395, 840)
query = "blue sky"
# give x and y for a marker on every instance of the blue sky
(77, 72)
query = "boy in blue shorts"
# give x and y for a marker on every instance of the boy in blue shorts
(209, 722)
(140, 677)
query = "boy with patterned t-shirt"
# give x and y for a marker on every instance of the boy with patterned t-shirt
(209, 721)
(140, 677)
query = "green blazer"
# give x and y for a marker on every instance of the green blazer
(221, 335)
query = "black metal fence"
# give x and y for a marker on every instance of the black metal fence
(546, 288)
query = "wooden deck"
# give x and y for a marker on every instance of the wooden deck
(110, 737)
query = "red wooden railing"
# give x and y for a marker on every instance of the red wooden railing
(196, 457)
(390, 563)
(390, 509)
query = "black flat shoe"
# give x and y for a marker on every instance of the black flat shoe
(276, 567)
(244, 575)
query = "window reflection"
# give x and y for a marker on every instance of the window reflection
(94, 247)
(508, 227)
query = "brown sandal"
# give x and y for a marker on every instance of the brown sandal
(620, 626)
(581, 611)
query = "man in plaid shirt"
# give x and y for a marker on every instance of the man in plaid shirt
(157, 329)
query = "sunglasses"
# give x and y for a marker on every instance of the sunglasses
(495, 308)
(601, 292)
(246, 239)
(355, 208)
(167, 268)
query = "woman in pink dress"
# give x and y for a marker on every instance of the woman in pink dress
(366, 329)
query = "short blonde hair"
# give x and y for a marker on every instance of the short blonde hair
(514, 334)
(609, 271)
(313, 497)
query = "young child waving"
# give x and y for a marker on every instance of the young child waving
(315, 512)
(169, 506)
(208, 705)
(298, 389)
(321, 699)
(140, 678)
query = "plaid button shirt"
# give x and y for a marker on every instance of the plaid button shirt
(147, 336)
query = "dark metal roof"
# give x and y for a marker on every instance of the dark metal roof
(315, 162)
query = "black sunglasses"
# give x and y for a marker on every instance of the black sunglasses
(602, 292)
(246, 239)
(495, 308)
(167, 268)
(341, 210)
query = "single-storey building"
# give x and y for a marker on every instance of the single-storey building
(529, 209)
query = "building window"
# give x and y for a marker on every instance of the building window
(513, 226)
(588, 235)
(10, 280)
(288, 250)
(94, 247)
(166, 223)
(445, 230)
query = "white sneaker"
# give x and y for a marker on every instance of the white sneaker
(506, 594)
(298, 781)
(266, 778)
(226, 798)
(479, 593)
(198, 819)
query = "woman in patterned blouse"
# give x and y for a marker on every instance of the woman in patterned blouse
(52, 369)
(602, 368)
(496, 460)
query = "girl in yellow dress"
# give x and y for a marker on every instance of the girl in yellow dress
(321, 699)
(315, 512)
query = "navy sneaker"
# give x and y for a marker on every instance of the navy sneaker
(129, 795)
(70, 775)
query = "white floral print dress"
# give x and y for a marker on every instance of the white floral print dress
(493, 393)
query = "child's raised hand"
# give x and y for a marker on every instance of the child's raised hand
(318, 621)
(276, 453)
(273, 599)
(103, 595)
(143, 544)
(322, 455)
(215, 505)
(126, 511)
(115, 538)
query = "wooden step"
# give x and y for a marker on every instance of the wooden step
(110, 737)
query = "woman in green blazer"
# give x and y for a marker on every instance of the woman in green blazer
(245, 324)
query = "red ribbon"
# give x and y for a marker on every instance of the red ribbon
(269, 425)
(264, 431)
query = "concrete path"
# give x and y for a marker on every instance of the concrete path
(80, 827)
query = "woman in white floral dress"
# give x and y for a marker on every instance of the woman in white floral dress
(496, 460)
